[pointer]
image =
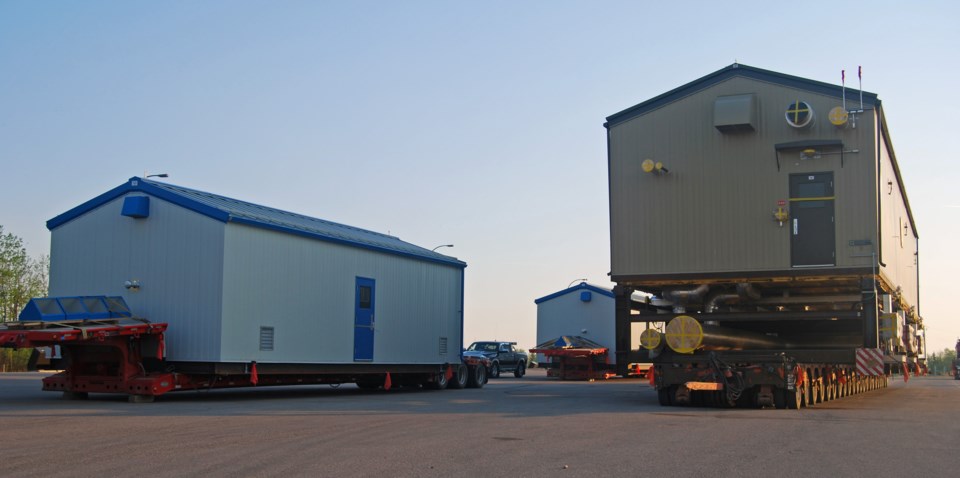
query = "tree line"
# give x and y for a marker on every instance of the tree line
(941, 363)
(21, 279)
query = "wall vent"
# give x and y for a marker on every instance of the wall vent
(266, 339)
(735, 114)
(443, 346)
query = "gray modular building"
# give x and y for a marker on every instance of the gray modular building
(240, 282)
(752, 186)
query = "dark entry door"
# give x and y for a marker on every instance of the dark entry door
(812, 230)
(363, 320)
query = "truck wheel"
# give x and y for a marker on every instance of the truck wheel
(477, 377)
(521, 369)
(459, 377)
(495, 370)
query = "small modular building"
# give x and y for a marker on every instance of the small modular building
(581, 310)
(241, 282)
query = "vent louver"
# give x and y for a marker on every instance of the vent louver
(266, 339)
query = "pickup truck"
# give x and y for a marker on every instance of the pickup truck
(503, 357)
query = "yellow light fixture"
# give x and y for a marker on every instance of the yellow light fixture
(647, 165)
(650, 166)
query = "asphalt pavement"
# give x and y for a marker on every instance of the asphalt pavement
(534, 426)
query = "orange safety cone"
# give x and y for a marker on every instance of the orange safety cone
(906, 373)
(650, 376)
(449, 372)
(386, 382)
(253, 373)
(916, 370)
(160, 347)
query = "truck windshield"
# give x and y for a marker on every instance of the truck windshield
(483, 347)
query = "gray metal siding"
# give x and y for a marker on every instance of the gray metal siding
(305, 289)
(175, 254)
(713, 212)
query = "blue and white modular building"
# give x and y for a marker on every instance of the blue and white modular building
(584, 309)
(239, 282)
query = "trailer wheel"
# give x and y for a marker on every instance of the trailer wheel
(663, 396)
(794, 400)
(439, 381)
(477, 377)
(140, 398)
(75, 395)
(521, 369)
(459, 377)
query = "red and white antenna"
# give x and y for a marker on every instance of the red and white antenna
(843, 87)
(860, 75)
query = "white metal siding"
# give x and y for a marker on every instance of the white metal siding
(305, 289)
(897, 237)
(568, 315)
(175, 254)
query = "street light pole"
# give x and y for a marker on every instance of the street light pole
(438, 247)
(576, 280)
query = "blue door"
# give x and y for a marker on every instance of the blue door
(363, 320)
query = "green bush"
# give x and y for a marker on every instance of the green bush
(14, 360)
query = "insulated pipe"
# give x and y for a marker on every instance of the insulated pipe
(681, 297)
(747, 290)
(686, 295)
(685, 335)
(716, 299)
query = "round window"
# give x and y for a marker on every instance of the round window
(799, 114)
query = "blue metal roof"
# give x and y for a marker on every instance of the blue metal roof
(578, 287)
(226, 209)
(728, 72)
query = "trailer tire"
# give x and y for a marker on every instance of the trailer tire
(140, 398)
(439, 381)
(477, 377)
(663, 396)
(794, 399)
(521, 369)
(459, 378)
(75, 395)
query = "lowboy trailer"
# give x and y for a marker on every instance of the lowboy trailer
(105, 349)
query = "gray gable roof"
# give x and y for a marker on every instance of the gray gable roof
(227, 209)
(731, 71)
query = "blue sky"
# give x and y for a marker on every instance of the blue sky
(472, 123)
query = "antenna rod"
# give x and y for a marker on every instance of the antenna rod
(843, 86)
(860, 75)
